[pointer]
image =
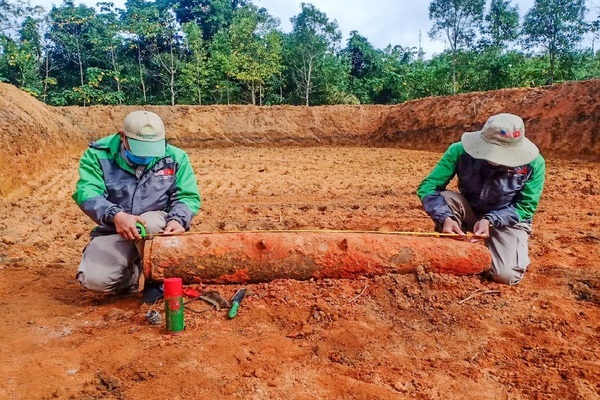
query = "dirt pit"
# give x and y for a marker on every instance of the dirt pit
(418, 335)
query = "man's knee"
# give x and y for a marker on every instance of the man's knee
(96, 282)
(155, 221)
(507, 276)
(107, 264)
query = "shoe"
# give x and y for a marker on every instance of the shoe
(487, 276)
(153, 291)
(133, 289)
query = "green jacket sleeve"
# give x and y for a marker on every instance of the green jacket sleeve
(532, 191)
(90, 190)
(185, 200)
(429, 190)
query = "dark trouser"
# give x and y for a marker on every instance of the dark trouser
(508, 245)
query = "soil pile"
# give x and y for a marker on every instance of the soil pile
(31, 136)
(563, 120)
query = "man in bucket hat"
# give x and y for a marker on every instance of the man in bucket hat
(500, 177)
(127, 178)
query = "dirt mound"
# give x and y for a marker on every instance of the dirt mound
(563, 120)
(31, 136)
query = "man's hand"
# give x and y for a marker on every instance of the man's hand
(482, 228)
(173, 227)
(125, 225)
(451, 226)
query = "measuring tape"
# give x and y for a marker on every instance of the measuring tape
(144, 234)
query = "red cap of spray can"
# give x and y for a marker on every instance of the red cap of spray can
(173, 287)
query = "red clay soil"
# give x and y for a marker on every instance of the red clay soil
(416, 335)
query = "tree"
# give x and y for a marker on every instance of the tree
(194, 73)
(22, 58)
(166, 48)
(366, 67)
(312, 37)
(556, 26)
(210, 15)
(71, 31)
(12, 15)
(501, 24)
(220, 67)
(456, 20)
(111, 42)
(45, 49)
(140, 21)
(255, 48)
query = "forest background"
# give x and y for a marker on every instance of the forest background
(233, 52)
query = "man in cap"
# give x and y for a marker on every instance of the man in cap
(500, 177)
(127, 178)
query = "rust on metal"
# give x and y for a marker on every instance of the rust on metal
(241, 257)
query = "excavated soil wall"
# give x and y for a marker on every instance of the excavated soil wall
(562, 120)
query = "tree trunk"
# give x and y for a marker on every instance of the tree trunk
(172, 71)
(113, 58)
(141, 72)
(80, 63)
(552, 64)
(454, 72)
(46, 75)
(308, 80)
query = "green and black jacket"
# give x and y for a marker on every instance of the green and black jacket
(108, 184)
(504, 195)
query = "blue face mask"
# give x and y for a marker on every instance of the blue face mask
(137, 160)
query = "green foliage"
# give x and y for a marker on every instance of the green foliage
(232, 52)
(194, 73)
(556, 26)
(456, 21)
(211, 16)
(313, 37)
(366, 68)
(255, 49)
(20, 64)
(501, 24)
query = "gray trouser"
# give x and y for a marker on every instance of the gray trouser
(111, 263)
(508, 245)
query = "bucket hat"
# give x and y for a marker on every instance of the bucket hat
(501, 141)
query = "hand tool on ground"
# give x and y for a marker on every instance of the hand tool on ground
(212, 297)
(235, 302)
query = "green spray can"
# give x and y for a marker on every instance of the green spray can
(173, 288)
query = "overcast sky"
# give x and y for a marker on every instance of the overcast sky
(382, 22)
